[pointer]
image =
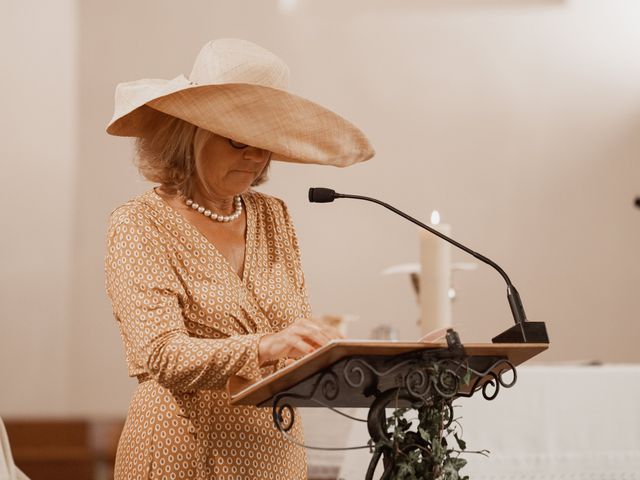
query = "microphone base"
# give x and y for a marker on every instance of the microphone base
(524, 332)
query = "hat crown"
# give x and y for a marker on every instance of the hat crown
(231, 60)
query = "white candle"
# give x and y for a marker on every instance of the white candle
(435, 277)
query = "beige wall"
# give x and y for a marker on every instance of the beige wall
(38, 144)
(519, 121)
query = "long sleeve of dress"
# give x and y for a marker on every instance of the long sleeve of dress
(146, 295)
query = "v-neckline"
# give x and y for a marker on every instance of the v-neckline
(201, 237)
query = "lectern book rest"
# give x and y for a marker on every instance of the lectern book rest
(480, 357)
(378, 375)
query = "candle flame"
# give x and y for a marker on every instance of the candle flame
(435, 218)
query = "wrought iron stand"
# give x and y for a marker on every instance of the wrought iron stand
(408, 380)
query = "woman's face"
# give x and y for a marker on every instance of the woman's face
(226, 168)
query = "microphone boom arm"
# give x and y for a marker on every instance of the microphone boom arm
(517, 309)
(480, 257)
(522, 332)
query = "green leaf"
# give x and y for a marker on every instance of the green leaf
(405, 471)
(399, 412)
(451, 468)
(461, 443)
(424, 449)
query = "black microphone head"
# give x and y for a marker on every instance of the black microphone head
(321, 195)
(638, 202)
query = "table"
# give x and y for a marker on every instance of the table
(558, 422)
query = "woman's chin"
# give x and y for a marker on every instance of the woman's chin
(242, 181)
(239, 187)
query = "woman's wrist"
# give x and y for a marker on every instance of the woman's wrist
(264, 350)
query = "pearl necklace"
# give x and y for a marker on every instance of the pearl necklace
(214, 216)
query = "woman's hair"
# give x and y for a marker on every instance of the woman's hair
(167, 154)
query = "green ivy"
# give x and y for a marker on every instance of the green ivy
(433, 450)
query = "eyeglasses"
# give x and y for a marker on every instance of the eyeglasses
(237, 145)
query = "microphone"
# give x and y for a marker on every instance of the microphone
(523, 331)
(321, 195)
(637, 199)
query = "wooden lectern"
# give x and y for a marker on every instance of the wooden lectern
(383, 374)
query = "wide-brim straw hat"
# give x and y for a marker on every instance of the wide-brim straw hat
(237, 89)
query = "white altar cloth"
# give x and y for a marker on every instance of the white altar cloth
(557, 422)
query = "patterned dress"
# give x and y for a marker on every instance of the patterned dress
(189, 323)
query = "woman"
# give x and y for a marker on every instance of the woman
(204, 273)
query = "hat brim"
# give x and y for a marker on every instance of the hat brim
(293, 128)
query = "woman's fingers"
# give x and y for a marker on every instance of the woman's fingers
(319, 334)
(333, 333)
(328, 330)
(299, 348)
(303, 346)
(297, 340)
(315, 334)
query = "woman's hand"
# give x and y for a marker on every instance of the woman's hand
(295, 341)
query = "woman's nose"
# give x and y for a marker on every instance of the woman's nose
(255, 154)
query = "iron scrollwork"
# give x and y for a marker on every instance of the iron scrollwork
(496, 378)
(326, 384)
(418, 380)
